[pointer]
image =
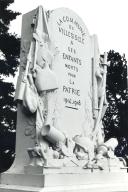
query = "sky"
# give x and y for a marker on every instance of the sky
(105, 18)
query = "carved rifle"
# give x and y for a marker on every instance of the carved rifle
(99, 118)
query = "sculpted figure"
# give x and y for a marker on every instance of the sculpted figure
(84, 149)
(105, 156)
(38, 87)
(107, 149)
(46, 85)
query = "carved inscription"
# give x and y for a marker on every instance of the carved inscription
(73, 68)
(71, 29)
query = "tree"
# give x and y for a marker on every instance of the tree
(115, 120)
(9, 60)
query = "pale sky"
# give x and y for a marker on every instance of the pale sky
(106, 18)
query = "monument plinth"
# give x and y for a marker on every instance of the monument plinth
(61, 101)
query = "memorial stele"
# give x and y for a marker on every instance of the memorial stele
(61, 101)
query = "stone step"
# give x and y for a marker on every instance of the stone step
(18, 188)
(63, 179)
(120, 187)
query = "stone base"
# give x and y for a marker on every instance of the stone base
(81, 188)
(64, 179)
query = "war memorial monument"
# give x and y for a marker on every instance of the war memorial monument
(61, 101)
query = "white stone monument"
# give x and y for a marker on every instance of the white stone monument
(61, 102)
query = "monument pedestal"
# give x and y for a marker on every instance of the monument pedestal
(36, 179)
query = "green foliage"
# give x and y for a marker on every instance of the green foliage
(115, 120)
(9, 61)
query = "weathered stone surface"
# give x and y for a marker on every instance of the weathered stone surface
(74, 71)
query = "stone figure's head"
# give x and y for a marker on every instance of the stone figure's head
(83, 142)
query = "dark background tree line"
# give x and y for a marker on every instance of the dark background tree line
(115, 120)
(9, 61)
